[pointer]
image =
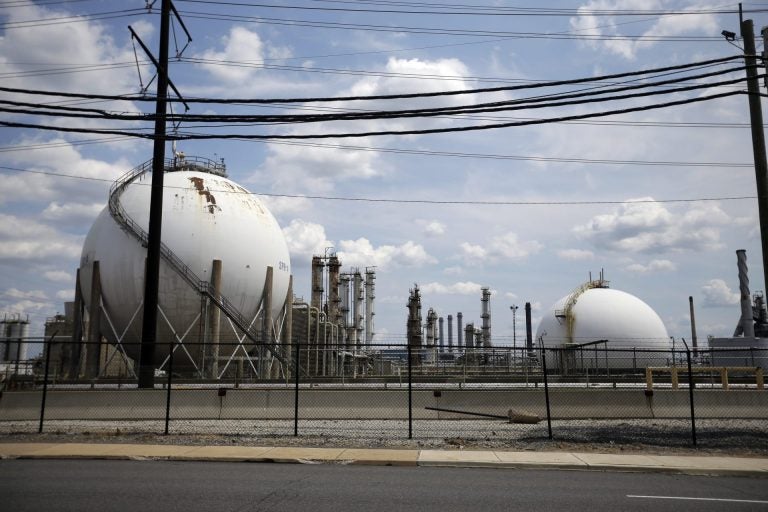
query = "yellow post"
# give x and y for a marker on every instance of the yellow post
(674, 377)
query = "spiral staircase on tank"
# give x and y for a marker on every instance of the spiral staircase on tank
(203, 287)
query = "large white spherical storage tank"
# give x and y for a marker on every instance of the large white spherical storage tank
(206, 217)
(591, 323)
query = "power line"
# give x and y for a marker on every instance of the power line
(500, 106)
(410, 201)
(561, 11)
(517, 12)
(445, 31)
(422, 152)
(78, 18)
(197, 136)
(554, 83)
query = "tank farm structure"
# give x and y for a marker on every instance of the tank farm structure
(228, 309)
(226, 304)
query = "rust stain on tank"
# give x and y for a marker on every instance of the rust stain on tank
(209, 198)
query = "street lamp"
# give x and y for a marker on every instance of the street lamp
(514, 326)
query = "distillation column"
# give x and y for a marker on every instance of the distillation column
(370, 294)
(349, 331)
(486, 317)
(357, 307)
(334, 301)
(316, 300)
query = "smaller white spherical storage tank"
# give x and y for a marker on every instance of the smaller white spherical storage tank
(206, 217)
(590, 324)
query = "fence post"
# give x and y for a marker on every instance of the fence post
(546, 389)
(47, 348)
(168, 391)
(410, 394)
(690, 392)
(296, 391)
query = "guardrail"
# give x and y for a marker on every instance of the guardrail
(722, 371)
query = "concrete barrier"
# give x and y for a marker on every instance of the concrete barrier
(340, 404)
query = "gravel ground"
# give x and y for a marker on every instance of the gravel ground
(723, 437)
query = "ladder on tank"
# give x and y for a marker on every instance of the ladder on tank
(203, 287)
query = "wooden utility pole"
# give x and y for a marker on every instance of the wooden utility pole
(152, 274)
(758, 136)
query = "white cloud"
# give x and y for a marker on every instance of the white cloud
(240, 45)
(60, 157)
(285, 205)
(453, 271)
(588, 24)
(652, 266)
(297, 168)
(72, 211)
(236, 65)
(434, 228)
(303, 169)
(14, 293)
(502, 247)
(66, 295)
(25, 239)
(305, 239)
(59, 276)
(84, 42)
(361, 253)
(576, 255)
(651, 227)
(459, 288)
(717, 294)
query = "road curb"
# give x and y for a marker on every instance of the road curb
(709, 466)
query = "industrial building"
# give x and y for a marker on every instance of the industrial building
(227, 307)
(226, 303)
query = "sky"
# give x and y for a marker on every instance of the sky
(659, 200)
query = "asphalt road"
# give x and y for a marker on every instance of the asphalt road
(138, 486)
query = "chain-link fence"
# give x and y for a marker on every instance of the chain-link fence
(593, 394)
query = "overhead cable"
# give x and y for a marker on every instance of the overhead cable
(412, 201)
(503, 106)
(554, 83)
(198, 136)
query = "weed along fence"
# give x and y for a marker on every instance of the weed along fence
(395, 392)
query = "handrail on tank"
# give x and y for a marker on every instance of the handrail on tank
(203, 287)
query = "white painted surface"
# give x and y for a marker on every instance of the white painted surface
(205, 217)
(605, 314)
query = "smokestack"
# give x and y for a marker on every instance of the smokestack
(694, 340)
(528, 331)
(459, 331)
(450, 333)
(440, 334)
(486, 316)
(747, 323)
